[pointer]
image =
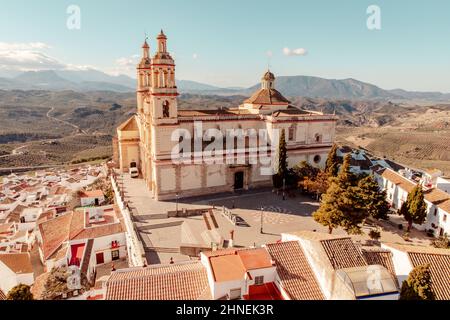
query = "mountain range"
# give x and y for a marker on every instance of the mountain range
(290, 86)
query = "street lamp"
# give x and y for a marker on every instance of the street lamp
(284, 188)
(262, 217)
(176, 196)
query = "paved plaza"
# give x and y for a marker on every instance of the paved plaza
(162, 236)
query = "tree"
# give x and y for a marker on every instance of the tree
(342, 205)
(282, 167)
(415, 210)
(304, 170)
(346, 177)
(318, 185)
(330, 212)
(332, 164)
(373, 198)
(20, 292)
(418, 285)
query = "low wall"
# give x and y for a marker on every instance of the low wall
(187, 212)
(136, 253)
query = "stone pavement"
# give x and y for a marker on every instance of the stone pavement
(162, 236)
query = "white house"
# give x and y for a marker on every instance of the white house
(443, 184)
(438, 202)
(15, 269)
(85, 238)
(237, 274)
(90, 198)
(341, 270)
(407, 257)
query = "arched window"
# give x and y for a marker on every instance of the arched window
(166, 113)
(318, 138)
(291, 133)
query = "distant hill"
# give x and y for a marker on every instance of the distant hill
(290, 86)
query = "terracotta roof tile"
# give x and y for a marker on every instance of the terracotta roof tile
(439, 270)
(439, 198)
(296, 275)
(54, 232)
(91, 194)
(230, 265)
(379, 256)
(18, 262)
(99, 231)
(255, 258)
(187, 281)
(72, 226)
(267, 97)
(439, 260)
(227, 268)
(343, 253)
(398, 180)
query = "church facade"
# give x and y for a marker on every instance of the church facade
(148, 139)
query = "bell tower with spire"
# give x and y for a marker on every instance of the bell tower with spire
(163, 90)
(143, 76)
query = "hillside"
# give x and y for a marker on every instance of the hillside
(294, 86)
(83, 123)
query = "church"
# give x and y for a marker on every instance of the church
(146, 140)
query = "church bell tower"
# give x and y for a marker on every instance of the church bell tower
(143, 76)
(163, 89)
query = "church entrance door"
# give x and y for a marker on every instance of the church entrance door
(239, 180)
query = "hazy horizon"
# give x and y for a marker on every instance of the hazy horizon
(230, 44)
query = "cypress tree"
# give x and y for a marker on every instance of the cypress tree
(332, 164)
(418, 285)
(346, 177)
(282, 166)
(282, 156)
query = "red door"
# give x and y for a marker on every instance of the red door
(100, 258)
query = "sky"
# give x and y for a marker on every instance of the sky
(232, 42)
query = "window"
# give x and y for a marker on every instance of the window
(318, 138)
(259, 280)
(317, 159)
(166, 113)
(291, 133)
(115, 255)
(445, 218)
(435, 212)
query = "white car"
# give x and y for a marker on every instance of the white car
(134, 172)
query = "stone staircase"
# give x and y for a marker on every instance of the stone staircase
(87, 256)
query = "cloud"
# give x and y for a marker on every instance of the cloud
(29, 56)
(28, 60)
(5, 46)
(269, 53)
(195, 56)
(124, 65)
(295, 52)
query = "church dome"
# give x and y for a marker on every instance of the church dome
(269, 76)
